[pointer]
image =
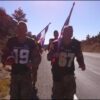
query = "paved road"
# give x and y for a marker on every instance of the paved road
(44, 82)
(88, 82)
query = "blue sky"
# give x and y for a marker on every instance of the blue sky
(85, 17)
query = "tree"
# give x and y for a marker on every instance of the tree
(7, 24)
(4, 20)
(19, 15)
(88, 37)
(98, 35)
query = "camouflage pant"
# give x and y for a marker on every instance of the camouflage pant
(34, 75)
(21, 87)
(64, 89)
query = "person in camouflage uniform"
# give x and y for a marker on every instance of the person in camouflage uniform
(21, 53)
(62, 55)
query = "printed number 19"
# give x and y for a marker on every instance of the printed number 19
(21, 56)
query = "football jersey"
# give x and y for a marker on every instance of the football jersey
(22, 53)
(64, 63)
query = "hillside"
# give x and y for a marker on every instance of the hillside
(91, 44)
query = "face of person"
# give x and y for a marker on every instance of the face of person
(67, 34)
(56, 34)
(22, 30)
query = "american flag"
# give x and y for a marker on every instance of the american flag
(68, 19)
(41, 35)
(65, 24)
(38, 36)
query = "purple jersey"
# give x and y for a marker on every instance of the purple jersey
(21, 51)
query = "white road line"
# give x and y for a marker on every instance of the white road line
(75, 97)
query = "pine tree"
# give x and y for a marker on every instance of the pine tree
(19, 15)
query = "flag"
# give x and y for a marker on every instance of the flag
(38, 36)
(42, 41)
(68, 19)
(41, 35)
(65, 24)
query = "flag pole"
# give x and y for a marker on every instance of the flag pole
(68, 18)
(65, 24)
(45, 27)
(42, 36)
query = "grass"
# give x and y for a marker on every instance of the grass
(4, 87)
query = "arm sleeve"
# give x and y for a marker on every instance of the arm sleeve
(79, 55)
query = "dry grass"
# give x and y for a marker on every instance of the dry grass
(4, 87)
(95, 47)
(4, 83)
